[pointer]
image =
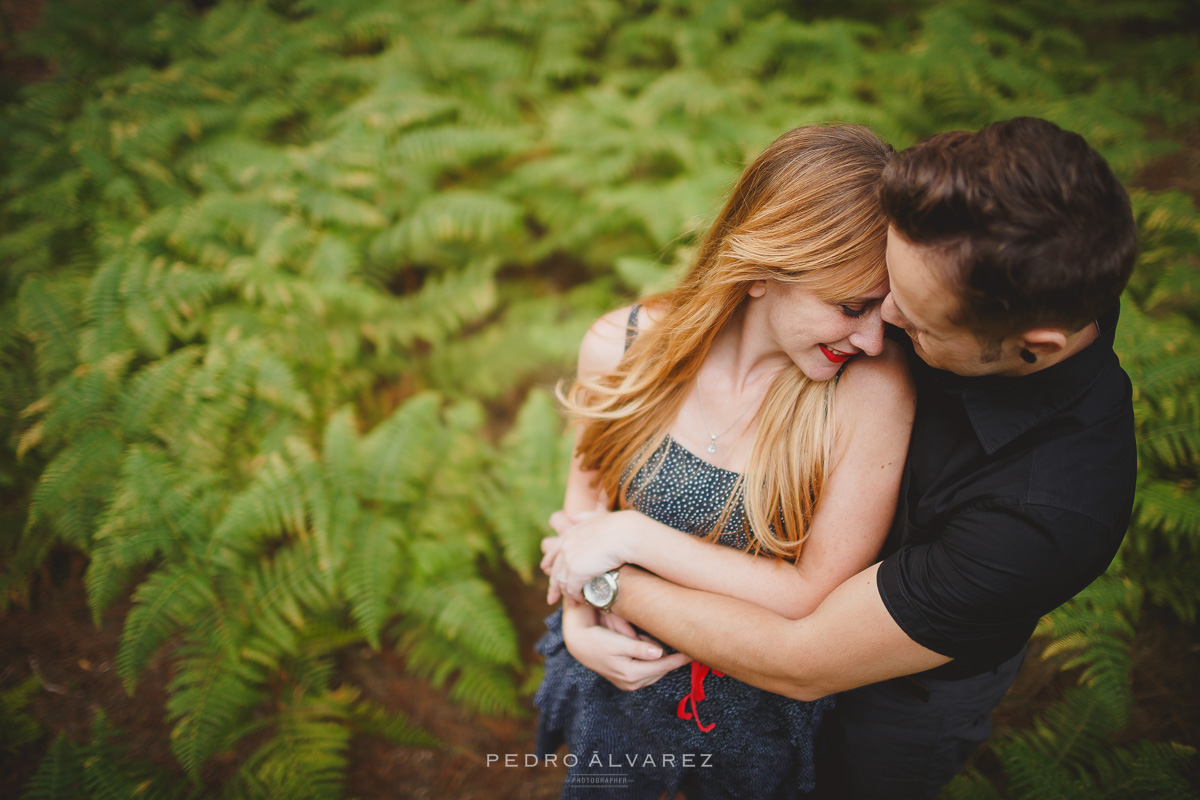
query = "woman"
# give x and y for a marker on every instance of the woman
(749, 452)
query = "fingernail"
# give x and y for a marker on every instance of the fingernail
(653, 652)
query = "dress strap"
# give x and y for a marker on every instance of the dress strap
(631, 327)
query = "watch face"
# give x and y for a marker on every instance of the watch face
(598, 591)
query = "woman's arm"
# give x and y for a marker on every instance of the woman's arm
(874, 405)
(599, 353)
(607, 645)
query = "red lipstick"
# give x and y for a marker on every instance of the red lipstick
(836, 358)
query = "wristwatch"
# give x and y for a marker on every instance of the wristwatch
(602, 590)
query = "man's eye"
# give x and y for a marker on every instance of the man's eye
(851, 311)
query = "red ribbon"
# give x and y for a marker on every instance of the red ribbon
(699, 671)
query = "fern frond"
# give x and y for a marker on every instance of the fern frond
(306, 757)
(166, 299)
(487, 690)
(444, 305)
(1047, 760)
(67, 497)
(467, 612)
(211, 693)
(529, 485)
(50, 315)
(283, 596)
(1145, 771)
(168, 601)
(107, 332)
(82, 400)
(371, 571)
(1172, 507)
(327, 207)
(527, 339)
(60, 774)
(397, 456)
(456, 145)
(154, 511)
(100, 769)
(216, 398)
(19, 728)
(148, 393)
(395, 728)
(456, 216)
(1095, 630)
(333, 259)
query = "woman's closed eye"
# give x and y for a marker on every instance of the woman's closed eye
(851, 311)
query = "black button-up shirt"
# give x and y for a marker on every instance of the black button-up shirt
(1015, 496)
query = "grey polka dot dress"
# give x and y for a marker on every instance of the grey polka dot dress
(717, 736)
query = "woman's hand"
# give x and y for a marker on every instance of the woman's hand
(586, 545)
(614, 650)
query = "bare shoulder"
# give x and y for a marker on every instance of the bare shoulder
(604, 343)
(879, 384)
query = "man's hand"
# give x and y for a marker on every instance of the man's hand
(626, 660)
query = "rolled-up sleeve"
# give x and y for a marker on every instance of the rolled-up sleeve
(991, 574)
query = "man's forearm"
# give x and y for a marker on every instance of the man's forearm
(849, 641)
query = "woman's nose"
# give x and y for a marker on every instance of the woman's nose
(869, 336)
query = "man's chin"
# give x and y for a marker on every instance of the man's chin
(920, 352)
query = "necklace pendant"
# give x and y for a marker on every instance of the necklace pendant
(712, 447)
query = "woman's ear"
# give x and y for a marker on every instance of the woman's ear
(757, 289)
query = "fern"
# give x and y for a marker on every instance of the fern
(306, 758)
(1064, 757)
(535, 457)
(166, 602)
(19, 728)
(100, 770)
(397, 456)
(212, 692)
(395, 728)
(49, 316)
(371, 573)
(60, 774)
(155, 511)
(1093, 631)
(278, 275)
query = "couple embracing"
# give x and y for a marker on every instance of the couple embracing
(824, 489)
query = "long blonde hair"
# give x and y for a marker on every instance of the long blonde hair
(804, 212)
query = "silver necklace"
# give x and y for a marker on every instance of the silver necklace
(712, 445)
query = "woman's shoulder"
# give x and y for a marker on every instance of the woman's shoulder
(608, 337)
(868, 381)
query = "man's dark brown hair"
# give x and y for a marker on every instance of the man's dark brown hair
(1037, 229)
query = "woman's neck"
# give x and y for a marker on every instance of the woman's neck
(741, 358)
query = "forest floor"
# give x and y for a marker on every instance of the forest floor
(56, 640)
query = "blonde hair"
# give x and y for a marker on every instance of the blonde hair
(804, 212)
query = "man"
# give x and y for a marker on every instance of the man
(1007, 254)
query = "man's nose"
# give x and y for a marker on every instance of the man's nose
(889, 312)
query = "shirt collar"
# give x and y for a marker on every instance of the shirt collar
(1002, 408)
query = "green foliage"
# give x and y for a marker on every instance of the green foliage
(1066, 755)
(100, 769)
(1069, 751)
(17, 727)
(264, 264)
